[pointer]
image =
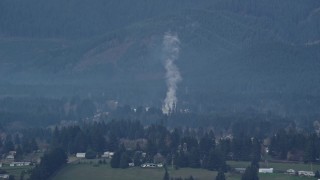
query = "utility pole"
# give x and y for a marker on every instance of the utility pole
(172, 157)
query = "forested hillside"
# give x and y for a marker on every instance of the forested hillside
(230, 49)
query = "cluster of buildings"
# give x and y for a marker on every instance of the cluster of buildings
(158, 159)
(261, 170)
(4, 176)
(300, 173)
(19, 164)
(9, 160)
(151, 165)
(271, 170)
(107, 155)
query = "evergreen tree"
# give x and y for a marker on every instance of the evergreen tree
(216, 161)
(90, 154)
(206, 144)
(19, 154)
(220, 176)
(317, 174)
(115, 161)
(22, 174)
(8, 146)
(124, 161)
(112, 142)
(33, 144)
(137, 158)
(251, 173)
(166, 174)
(17, 139)
(97, 141)
(194, 158)
(311, 150)
(182, 160)
(256, 150)
(49, 164)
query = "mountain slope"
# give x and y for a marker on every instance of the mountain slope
(237, 47)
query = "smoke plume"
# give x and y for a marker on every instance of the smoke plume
(171, 53)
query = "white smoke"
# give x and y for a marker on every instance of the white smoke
(171, 50)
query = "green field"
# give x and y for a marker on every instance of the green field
(102, 172)
(86, 171)
(279, 166)
(16, 171)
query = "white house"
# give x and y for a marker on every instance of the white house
(81, 155)
(151, 165)
(148, 165)
(108, 154)
(20, 164)
(291, 171)
(306, 173)
(10, 157)
(131, 164)
(12, 152)
(265, 170)
(240, 170)
(4, 176)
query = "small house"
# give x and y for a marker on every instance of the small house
(306, 173)
(108, 154)
(4, 176)
(158, 158)
(13, 164)
(148, 165)
(265, 170)
(240, 170)
(81, 155)
(151, 165)
(12, 153)
(291, 171)
(10, 157)
(131, 164)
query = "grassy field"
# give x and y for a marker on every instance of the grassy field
(278, 166)
(102, 172)
(16, 171)
(86, 171)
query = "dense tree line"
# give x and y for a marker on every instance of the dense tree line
(180, 147)
(74, 19)
(86, 18)
(196, 148)
(251, 172)
(50, 163)
(293, 144)
(23, 145)
(41, 112)
(186, 147)
(98, 137)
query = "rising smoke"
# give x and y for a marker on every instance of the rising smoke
(171, 52)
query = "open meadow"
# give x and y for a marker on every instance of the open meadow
(86, 171)
(102, 172)
(278, 166)
(16, 171)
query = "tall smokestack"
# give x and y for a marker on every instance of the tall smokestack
(171, 49)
